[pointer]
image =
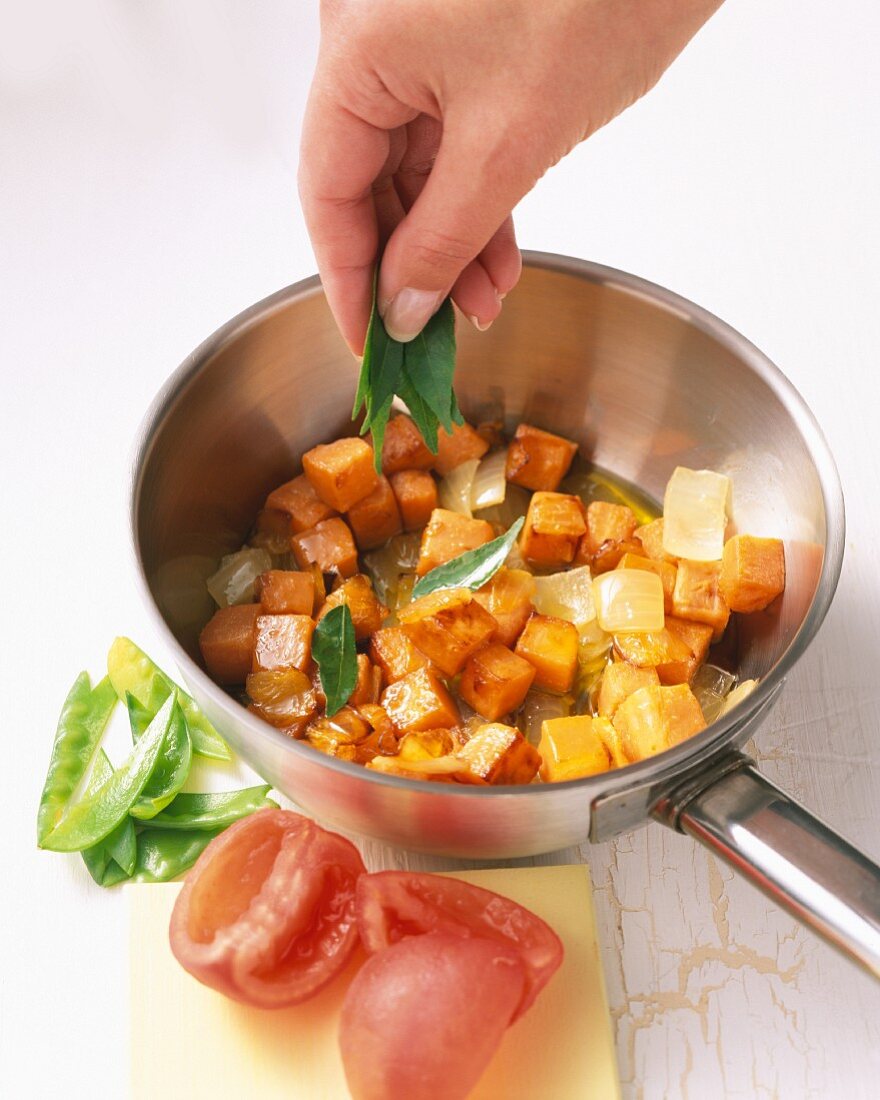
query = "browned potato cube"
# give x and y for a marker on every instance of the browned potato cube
(462, 444)
(447, 626)
(495, 681)
(367, 610)
(449, 534)
(376, 518)
(341, 472)
(416, 493)
(608, 537)
(286, 592)
(508, 599)
(283, 697)
(329, 545)
(227, 643)
(619, 681)
(420, 701)
(427, 745)
(665, 570)
(300, 501)
(650, 649)
(697, 595)
(650, 535)
(272, 531)
(752, 572)
(369, 682)
(554, 526)
(551, 645)
(393, 652)
(697, 637)
(403, 447)
(656, 718)
(499, 754)
(538, 459)
(283, 641)
(571, 748)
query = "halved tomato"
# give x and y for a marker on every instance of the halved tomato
(422, 1019)
(267, 914)
(392, 905)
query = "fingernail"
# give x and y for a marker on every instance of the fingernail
(409, 311)
(478, 324)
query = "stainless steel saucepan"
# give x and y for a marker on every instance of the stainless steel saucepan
(645, 381)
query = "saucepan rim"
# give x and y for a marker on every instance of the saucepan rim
(666, 766)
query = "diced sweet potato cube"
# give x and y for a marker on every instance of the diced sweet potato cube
(382, 741)
(227, 643)
(650, 649)
(752, 572)
(340, 735)
(428, 745)
(286, 592)
(367, 610)
(612, 741)
(697, 637)
(508, 599)
(572, 748)
(697, 595)
(462, 444)
(283, 697)
(272, 531)
(619, 681)
(416, 493)
(329, 545)
(300, 501)
(341, 472)
(551, 645)
(608, 537)
(369, 682)
(376, 518)
(420, 701)
(449, 534)
(554, 526)
(283, 641)
(393, 652)
(650, 535)
(447, 626)
(499, 754)
(538, 459)
(655, 718)
(665, 570)
(403, 447)
(495, 681)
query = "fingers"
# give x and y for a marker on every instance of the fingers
(481, 287)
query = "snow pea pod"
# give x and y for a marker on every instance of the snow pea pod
(95, 817)
(163, 854)
(171, 769)
(112, 859)
(83, 719)
(214, 810)
(131, 670)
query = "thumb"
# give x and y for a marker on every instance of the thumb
(473, 186)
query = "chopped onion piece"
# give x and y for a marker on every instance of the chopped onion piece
(405, 550)
(233, 583)
(593, 654)
(515, 504)
(567, 595)
(629, 600)
(695, 514)
(454, 490)
(740, 692)
(437, 765)
(490, 485)
(711, 686)
(537, 708)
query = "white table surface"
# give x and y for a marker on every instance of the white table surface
(147, 194)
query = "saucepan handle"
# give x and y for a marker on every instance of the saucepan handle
(784, 850)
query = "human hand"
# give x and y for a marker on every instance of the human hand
(428, 120)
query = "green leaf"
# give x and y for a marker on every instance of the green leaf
(163, 854)
(430, 363)
(170, 772)
(333, 648)
(211, 810)
(473, 568)
(422, 414)
(112, 859)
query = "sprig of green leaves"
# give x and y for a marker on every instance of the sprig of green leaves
(419, 373)
(334, 652)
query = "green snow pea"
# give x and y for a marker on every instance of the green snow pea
(112, 859)
(138, 716)
(210, 811)
(171, 769)
(84, 717)
(163, 854)
(92, 818)
(131, 670)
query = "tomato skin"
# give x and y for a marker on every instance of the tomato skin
(393, 905)
(267, 914)
(422, 1018)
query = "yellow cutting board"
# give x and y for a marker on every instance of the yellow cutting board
(187, 1040)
